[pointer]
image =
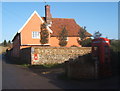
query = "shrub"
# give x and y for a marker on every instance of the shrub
(86, 42)
(44, 37)
(74, 46)
(82, 33)
(62, 43)
(115, 45)
(44, 34)
(63, 37)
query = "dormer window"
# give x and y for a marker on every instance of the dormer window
(36, 35)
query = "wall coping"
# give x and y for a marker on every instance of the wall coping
(65, 47)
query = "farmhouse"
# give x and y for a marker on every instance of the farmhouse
(29, 34)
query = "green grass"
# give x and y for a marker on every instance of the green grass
(46, 66)
(25, 65)
(3, 49)
(51, 65)
(43, 66)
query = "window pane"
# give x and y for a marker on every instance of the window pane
(35, 35)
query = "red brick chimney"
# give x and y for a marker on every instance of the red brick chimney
(48, 15)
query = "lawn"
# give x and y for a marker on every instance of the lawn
(3, 49)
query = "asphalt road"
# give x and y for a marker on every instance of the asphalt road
(18, 77)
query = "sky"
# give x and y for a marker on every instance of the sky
(96, 16)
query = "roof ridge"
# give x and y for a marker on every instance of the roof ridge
(63, 18)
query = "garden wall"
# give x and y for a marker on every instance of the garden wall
(53, 55)
(49, 55)
(81, 67)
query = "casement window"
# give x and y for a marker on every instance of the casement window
(35, 35)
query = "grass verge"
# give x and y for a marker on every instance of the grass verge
(48, 66)
(44, 66)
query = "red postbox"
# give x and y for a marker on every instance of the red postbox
(101, 56)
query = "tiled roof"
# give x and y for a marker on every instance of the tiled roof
(71, 26)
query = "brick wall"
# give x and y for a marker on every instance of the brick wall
(25, 55)
(51, 55)
(16, 47)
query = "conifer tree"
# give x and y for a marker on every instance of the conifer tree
(82, 34)
(44, 34)
(5, 43)
(63, 37)
(9, 44)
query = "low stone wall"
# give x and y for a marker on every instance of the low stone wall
(49, 55)
(53, 55)
(81, 67)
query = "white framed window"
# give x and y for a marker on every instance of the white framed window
(35, 35)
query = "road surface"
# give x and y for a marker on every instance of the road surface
(18, 77)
